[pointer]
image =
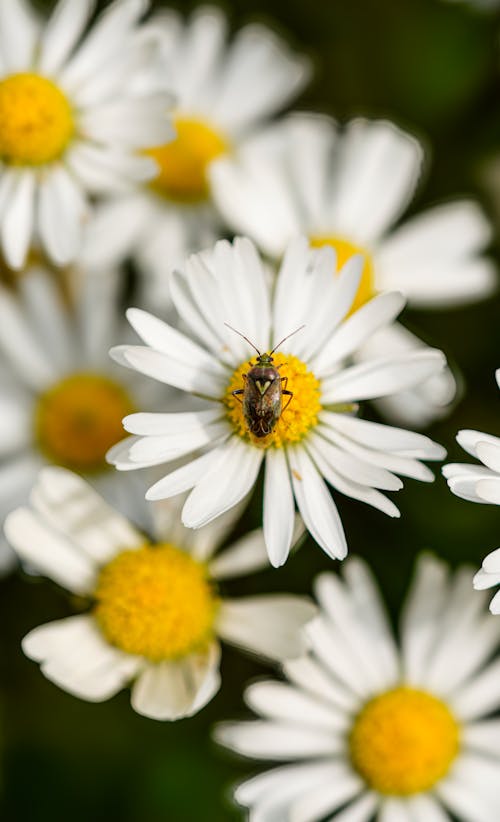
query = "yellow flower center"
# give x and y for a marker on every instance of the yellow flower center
(36, 120)
(404, 741)
(79, 418)
(345, 250)
(183, 162)
(298, 414)
(156, 602)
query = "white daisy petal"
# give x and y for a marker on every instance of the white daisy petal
(61, 213)
(316, 505)
(248, 554)
(49, 552)
(172, 690)
(70, 506)
(74, 655)
(358, 328)
(259, 62)
(448, 275)
(228, 481)
(267, 625)
(62, 32)
(361, 810)
(279, 741)
(313, 678)
(278, 507)
(17, 222)
(381, 377)
(378, 171)
(18, 33)
(185, 477)
(281, 702)
(104, 40)
(313, 805)
(394, 810)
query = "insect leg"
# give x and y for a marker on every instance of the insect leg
(236, 392)
(290, 395)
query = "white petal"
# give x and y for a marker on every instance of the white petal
(172, 690)
(69, 505)
(357, 329)
(480, 696)
(420, 623)
(62, 210)
(108, 35)
(378, 171)
(260, 75)
(74, 655)
(314, 804)
(268, 625)
(272, 740)
(49, 552)
(185, 477)
(361, 810)
(224, 485)
(247, 555)
(283, 702)
(62, 32)
(381, 377)
(17, 222)
(278, 507)
(316, 505)
(18, 33)
(433, 259)
(489, 490)
(191, 377)
(312, 677)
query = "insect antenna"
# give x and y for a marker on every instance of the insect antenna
(284, 338)
(245, 338)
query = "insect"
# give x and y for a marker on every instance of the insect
(263, 391)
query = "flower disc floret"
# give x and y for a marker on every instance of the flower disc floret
(156, 602)
(183, 163)
(404, 741)
(36, 120)
(301, 413)
(79, 418)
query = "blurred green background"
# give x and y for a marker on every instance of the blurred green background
(434, 68)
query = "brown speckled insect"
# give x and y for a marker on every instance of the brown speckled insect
(263, 390)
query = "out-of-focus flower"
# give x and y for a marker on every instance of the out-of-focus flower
(347, 188)
(317, 435)
(376, 730)
(480, 483)
(61, 399)
(223, 92)
(156, 614)
(71, 119)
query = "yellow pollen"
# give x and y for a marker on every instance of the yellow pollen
(36, 120)
(345, 250)
(183, 162)
(156, 602)
(79, 418)
(296, 420)
(404, 741)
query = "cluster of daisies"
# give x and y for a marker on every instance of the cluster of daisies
(136, 143)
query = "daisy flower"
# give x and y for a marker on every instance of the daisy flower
(480, 483)
(223, 92)
(155, 614)
(61, 399)
(317, 436)
(347, 188)
(371, 728)
(71, 119)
